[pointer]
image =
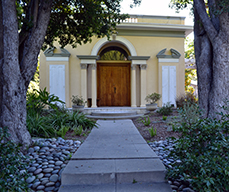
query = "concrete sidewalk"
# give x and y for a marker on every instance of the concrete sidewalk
(114, 158)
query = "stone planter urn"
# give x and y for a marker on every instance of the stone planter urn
(79, 108)
(151, 107)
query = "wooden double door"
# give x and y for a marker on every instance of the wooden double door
(113, 84)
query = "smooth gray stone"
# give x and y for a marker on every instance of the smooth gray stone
(36, 148)
(48, 170)
(49, 188)
(30, 179)
(39, 176)
(44, 181)
(40, 187)
(32, 169)
(49, 184)
(58, 163)
(36, 184)
(54, 178)
(55, 171)
(37, 171)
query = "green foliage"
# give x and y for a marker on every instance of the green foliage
(39, 99)
(166, 109)
(34, 83)
(73, 22)
(203, 150)
(78, 130)
(189, 48)
(164, 118)
(78, 100)
(40, 126)
(187, 97)
(11, 161)
(134, 181)
(153, 98)
(54, 121)
(153, 132)
(145, 121)
(62, 131)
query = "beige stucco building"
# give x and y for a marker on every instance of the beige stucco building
(144, 55)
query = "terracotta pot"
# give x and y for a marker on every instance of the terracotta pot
(151, 107)
(79, 108)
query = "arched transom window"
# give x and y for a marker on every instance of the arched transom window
(114, 53)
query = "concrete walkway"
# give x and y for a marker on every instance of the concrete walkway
(114, 158)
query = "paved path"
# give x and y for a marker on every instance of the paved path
(114, 158)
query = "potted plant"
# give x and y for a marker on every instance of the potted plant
(78, 103)
(152, 99)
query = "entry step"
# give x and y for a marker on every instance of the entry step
(134, 187)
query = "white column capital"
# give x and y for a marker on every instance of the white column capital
(93, 66)
(83, 65)
(133, 67)
(143, 66)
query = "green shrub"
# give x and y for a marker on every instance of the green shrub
(203, 150)
(166, 109)
(54, 121)
(11, 162)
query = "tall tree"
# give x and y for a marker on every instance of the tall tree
(211, 41)
(26, 26)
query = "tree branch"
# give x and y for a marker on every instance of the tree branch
(203, 54)
(199, 6)
(30, 19)
(214, 19)
(35, 40)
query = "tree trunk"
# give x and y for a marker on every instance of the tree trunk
(16, 73)
(212, 58)
(13, 101)
(203, 54)
(220, 83)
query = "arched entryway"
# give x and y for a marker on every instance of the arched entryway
(113, 76)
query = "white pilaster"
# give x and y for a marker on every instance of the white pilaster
(143, 84)
(94, 86)
(133, 86)
(84, 81)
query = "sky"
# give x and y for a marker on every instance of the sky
(155, 7)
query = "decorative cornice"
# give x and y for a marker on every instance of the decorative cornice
(92, 57)
(83, 66)
(50, 52)
(174, 54)
(138, 58)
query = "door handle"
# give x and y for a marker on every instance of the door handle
(114, 89)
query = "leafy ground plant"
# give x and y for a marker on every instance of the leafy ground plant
(164, 118)
(166, 109)
(54, 121)
(153, 132)
(11, 160)
(203, 149)
(145, 121)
